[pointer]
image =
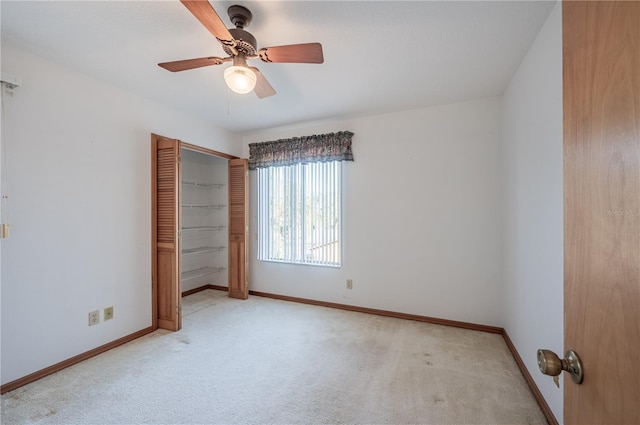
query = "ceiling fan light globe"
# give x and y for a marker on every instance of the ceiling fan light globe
(240, 79)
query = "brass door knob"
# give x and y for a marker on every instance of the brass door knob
(550, 364)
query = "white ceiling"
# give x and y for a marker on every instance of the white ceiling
(380, 56)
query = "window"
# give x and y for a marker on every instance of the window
(299, 209)
(299, 197)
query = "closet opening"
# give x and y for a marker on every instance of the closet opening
(205, 222)
(199, 226)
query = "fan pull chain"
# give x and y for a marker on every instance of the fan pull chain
(228, 108)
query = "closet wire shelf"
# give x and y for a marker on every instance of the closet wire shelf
(203, 185)
(209, 207)
(204, 228)
(203, 271)
(202, 249)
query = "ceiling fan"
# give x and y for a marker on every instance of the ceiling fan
(240, 45)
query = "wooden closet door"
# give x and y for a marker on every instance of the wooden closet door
(601, 66)
(166, 229)
(238, 228)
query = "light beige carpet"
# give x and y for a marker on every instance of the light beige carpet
(264, 361)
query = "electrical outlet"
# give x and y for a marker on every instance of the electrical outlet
(108, 313)
(94, 317)
(349, 284)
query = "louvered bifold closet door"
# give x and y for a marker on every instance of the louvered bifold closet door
(238, 228)
(167, 214)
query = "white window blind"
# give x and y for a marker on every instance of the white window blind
(299, 211)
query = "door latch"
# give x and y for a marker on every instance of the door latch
(550, 364)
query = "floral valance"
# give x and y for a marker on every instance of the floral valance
(301, 150)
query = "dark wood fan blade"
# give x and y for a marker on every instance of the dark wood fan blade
(293, 53)
(263, 88)
(204, 12)
(183, 65)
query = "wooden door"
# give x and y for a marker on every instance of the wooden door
(238, 221)
(601, 61)
(166, 232)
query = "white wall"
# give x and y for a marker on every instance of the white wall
(533, 226)
(421, 216)
(78, 159)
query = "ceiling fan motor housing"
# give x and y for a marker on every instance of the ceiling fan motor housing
(241, 17)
